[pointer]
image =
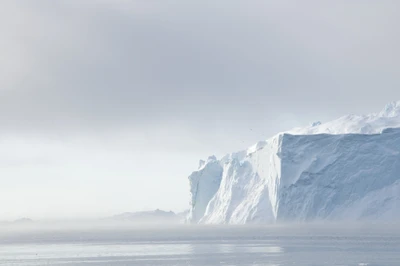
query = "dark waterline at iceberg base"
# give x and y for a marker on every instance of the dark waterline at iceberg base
(304, 245)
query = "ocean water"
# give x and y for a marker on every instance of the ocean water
(304, 245)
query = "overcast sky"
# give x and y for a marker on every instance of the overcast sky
(106, 106)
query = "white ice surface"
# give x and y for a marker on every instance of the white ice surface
(346, 169)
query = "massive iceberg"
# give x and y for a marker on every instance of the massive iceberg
(346, 169)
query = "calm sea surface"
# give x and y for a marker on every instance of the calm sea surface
(203, 246)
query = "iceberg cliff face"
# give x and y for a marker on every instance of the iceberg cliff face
(204, 183)
(347, 169)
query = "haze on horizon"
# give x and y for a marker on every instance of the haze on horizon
(107, 106)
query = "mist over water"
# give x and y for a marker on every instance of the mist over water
(127, 244)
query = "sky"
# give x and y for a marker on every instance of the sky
(106, 106)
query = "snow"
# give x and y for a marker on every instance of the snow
(365, 124)
(346, 169)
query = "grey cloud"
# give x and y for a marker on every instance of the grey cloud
(108, 64)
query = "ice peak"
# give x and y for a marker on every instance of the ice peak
(315, 124)
(258, 146)
(391, 109)
(201, 163)
(211, 158)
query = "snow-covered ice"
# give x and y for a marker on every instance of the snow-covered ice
(346, 169)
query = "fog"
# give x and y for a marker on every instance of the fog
(147, 229)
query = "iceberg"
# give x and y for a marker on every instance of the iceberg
(346, 169)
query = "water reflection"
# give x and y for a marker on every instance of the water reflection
(239, 247)
(242, 249)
